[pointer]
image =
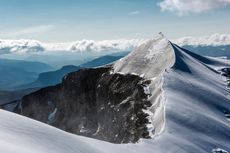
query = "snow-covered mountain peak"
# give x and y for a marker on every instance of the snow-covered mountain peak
(185, 109)
(138, 102)
(149, 59)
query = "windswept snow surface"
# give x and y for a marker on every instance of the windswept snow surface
(196, 101)
(22, 135)
(150, 60)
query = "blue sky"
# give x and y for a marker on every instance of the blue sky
(70, 20)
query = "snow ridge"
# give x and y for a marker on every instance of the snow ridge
(150, 60)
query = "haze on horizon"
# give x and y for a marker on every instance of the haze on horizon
(63, 21)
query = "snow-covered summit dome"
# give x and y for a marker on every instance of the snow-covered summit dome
(149, 59)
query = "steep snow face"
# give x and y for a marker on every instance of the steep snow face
(197, 101)
(150, 61)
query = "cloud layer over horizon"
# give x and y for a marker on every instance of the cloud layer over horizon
(8, 46)
(34, 46)
(183, 7)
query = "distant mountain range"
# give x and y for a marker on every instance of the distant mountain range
(49, 78)
(55, 77)
(101, 61)
(16, 72)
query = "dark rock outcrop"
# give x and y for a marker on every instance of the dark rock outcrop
(94, 103)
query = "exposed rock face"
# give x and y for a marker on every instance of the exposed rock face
(94, 103)
(225, 72)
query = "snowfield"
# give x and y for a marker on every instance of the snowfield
(189, 97)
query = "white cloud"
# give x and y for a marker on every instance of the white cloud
(33, 46)
(182, 7)
(134, 13)
(15, 46)
(213, 40)
(106, 45)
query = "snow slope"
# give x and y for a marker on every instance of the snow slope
(150, 61)
(196, 103)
